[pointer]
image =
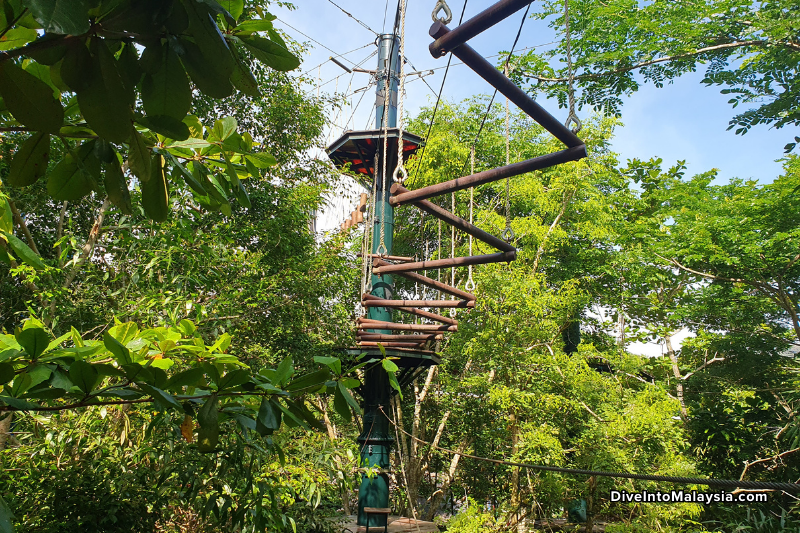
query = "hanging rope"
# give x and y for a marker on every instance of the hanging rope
(470, 285)
(508, 233)
(400, 168)
(373, 212)
(382, 250)
(573, 117)
(452, 251)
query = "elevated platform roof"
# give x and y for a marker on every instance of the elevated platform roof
(359, 147)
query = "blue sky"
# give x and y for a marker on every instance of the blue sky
(683, 120)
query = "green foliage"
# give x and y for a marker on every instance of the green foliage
(77, 83)
(748, 48)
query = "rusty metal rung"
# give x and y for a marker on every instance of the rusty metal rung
(379, 302)
(434, 284)
(446, 263)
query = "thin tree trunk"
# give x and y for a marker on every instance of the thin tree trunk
(5, 426)
(676, 371)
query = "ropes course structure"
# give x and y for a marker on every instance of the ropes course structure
(455, 41)
(377, 158)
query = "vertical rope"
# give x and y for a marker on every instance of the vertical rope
(400, 168)
(452, 251)
(573, 117)
(470, 285)
(508, 233)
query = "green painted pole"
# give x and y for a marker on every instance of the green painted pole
(376, 440)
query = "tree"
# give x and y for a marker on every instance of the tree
(82, 78)
(507, 388)
(749, 48)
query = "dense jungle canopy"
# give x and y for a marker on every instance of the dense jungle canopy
(172, 323)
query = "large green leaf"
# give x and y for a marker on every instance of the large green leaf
(83, 375)
(6, 216)
(24, 252)
(6, 373)
(117, 186)
(129, 70)
(34, 340)
(139, 156)
(51, 54)
(251, 26)
(186, 378)
(29, 99)
(262, 160)
(311, 381)
(104, 101)
(165, 90)
(120, 351)
(17, 37)
(75, 69)
(340, 404)
(224, 128)
(187, 176)
(209, 76)
(270, 53)
(164, 399)
(234, 7)
(168, 126)
(65, 17)
(6, 516)
(155, 197)
(208, 38)
(30, 161)
(243, 78)
(268, 416)
(76, 175)
(208, 418)
(233, 379)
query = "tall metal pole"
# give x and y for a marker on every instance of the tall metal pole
(376, 440)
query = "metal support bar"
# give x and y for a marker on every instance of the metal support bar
(477, 24)
(371, 344)
(505, 86)
(394, 326)
(388, 257)
(419, 303)
(452, 219)
(401, 338)
(488, 176)
(418, 312)
(444, 287)
(449, 262)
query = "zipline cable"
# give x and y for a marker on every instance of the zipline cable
(354, 18)
(721, 483)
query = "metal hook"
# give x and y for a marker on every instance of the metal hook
(441, 5)
(508, 234)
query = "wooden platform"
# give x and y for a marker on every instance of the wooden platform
(397, 524)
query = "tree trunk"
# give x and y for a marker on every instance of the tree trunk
(676, 371)
(5, 426)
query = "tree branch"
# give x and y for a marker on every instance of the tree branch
(597, 75)
(701, 367)
(757, 461)
(60, 232)
(540, 251)
(23, 227)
